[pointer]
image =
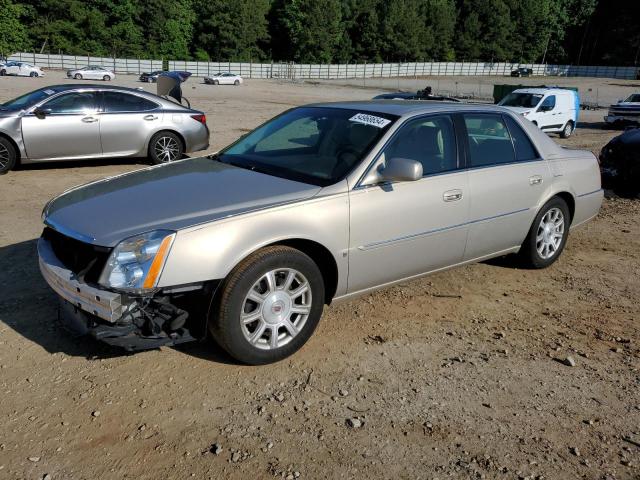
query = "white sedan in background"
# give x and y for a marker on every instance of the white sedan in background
(91, 72)
(223, 78)
(21, 69)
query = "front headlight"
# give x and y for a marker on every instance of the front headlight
(136, 263)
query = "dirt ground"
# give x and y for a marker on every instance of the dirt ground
(453, 376)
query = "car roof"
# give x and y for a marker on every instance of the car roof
(410, 107)
(543, 90)
(91, 86)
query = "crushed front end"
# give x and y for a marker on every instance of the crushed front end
(72, 269)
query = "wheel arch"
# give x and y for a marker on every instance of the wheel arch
(15, 145)
(178, 134)
(567, 197)
(322, 257)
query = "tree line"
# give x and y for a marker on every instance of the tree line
(325, 31)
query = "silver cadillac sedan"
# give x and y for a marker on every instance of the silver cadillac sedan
(322, 203)
(73, 122)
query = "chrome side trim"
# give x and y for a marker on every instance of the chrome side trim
(590, 193)
(412, 236)
(107, 305)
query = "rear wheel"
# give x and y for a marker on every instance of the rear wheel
(8, 155)
(77, 76)
(106, 78)
(270, 305)
(3, 72)
(236, 83)
(165, 147)
(567, 130)
(547, 235)
(216, 82)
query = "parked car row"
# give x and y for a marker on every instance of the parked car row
(20, 69)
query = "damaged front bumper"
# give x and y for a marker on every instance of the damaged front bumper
(133, 323)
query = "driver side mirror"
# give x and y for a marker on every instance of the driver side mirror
(401, 170)
(41, 112)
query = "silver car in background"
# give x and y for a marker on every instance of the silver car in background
(91, 72)
(72, 122)
(322, 203)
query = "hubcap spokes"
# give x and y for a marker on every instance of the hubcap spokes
(4, 156)
(276, 308)
(550, 233)
(166, 149)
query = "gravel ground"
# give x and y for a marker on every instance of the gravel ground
(486, 371)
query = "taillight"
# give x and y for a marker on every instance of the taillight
(202, 118)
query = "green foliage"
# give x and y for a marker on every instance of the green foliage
(232, 29)
(322, 31)
(14, 33)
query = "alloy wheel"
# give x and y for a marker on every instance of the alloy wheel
(166, 149)
(276, 308)
(550, 233)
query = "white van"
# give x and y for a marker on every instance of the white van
(551, 109)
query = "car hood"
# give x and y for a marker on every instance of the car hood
(173, 197)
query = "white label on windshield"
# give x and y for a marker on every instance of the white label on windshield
(49, 92)
(370, 120)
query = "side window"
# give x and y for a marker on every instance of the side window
(523, 146)
(123, 102)
(81, 102)
(489, 140)
(548, 104)
(300, 133)
(430, 140)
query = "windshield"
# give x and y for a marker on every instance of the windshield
(316, 145)
(633, 98)
(525, 100)
(27, 100)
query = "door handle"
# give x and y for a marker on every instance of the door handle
(452, 195)
(150, 117)
(89, 119)
(535, 180)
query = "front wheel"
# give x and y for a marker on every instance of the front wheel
(548, 234)
(33, 74)
(567, 130)
(236, 83)
(270, 305)
(165, 147)
(3, 73)
(77, 76)
(106, 78)
(8, 155)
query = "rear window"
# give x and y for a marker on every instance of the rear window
(521, 142)
(124, 102)
(489, 140)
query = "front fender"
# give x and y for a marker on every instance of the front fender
(211, 251)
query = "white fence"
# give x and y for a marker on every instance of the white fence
(294, 71)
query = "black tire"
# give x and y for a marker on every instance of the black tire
(3, 72)
(216, 82)
(77, 76)
(33, 74)
(160, 143)
(8, 156)
(106, 78)
(236, 83)
(567, 130)
(529, 252)
(225, 325)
